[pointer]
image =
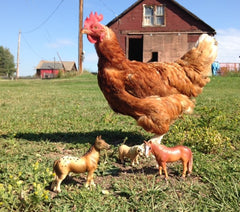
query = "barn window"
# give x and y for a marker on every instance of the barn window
(153, 15)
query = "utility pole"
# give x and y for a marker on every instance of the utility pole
(80, 42)
(18, 50)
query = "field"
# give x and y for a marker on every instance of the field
(41, 120)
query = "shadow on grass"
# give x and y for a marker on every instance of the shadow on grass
(111, 137)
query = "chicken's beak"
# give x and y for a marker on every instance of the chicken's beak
(85, 31)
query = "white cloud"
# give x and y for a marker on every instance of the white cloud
(90, 61)
(60, 43)
(228, 45)
(91, 57)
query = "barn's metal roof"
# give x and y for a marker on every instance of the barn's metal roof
(68, 65)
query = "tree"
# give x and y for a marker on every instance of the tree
(7, 66)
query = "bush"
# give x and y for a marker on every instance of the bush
(204, 132)
(206, 140)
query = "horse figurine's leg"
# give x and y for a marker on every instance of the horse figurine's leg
(190, 165)
(136, 159)
(160, 170)
(90, 179)
(164, 167)
(121, 159)
(53, 185)
(184, 169)
(57, 182)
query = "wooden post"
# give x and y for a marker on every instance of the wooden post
(80, 42)
(18, 50)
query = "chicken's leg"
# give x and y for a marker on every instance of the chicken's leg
(157, 138)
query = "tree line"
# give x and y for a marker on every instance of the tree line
(7, 65)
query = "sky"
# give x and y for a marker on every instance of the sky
(50, 28)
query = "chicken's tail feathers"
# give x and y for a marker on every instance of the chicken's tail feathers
(205, 41)
(202, 55)
(197, 62)
(207, 47)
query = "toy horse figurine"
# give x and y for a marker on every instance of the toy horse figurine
(165, 154)
(87, 163)
(130, 152)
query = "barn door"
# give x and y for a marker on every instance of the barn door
(135, 49)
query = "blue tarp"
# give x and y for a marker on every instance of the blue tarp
(215, 68)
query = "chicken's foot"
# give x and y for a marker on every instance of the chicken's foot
(157, 138)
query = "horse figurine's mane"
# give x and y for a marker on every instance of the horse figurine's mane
(89, 151)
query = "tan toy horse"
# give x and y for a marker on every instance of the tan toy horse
(165, 154)
(87, 163)
(130, 152)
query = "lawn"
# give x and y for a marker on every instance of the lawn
(42, 120)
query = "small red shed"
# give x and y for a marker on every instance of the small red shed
(157, 30)
(51, 69)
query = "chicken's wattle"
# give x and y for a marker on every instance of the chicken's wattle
(91, 39)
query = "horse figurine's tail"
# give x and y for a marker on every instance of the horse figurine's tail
(55, 164)
(54, 183)
(190, 165)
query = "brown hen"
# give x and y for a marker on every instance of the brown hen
(154, 94)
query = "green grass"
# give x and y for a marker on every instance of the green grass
(41, 120)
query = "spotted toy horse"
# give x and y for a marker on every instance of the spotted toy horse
(87, 163)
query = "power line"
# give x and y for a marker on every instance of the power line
(109, 8)
(30, 47)
(45, 21)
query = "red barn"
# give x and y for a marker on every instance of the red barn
(51, 69)
(157, 30)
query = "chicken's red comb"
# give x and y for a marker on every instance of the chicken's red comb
(93, 18)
